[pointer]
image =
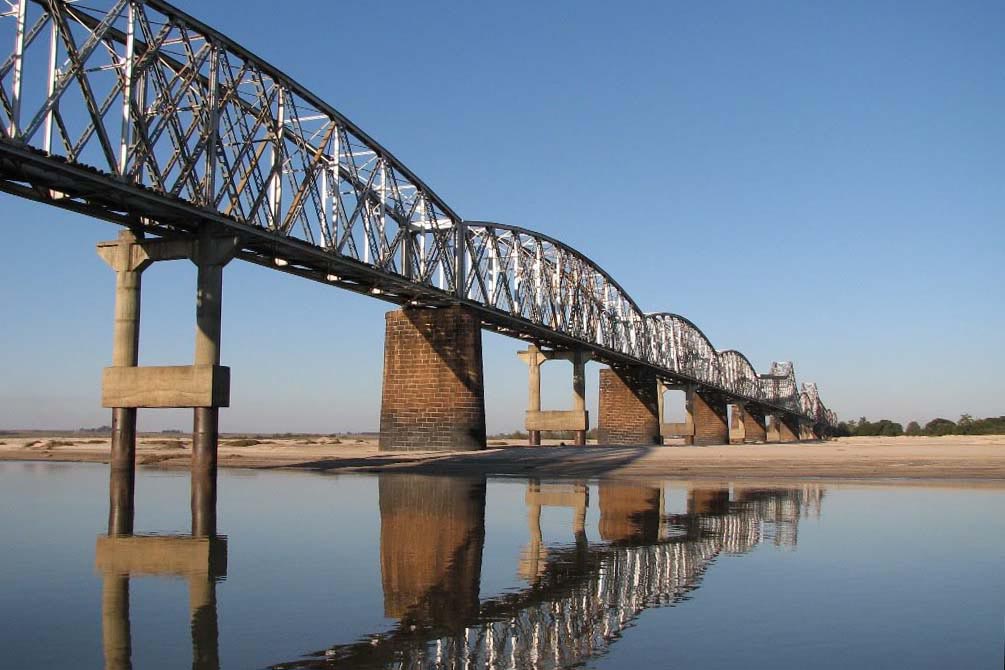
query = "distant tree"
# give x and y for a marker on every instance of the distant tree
(863, 428)
(989, 426)
(844, 428)
(965, 426)
(940, 426)
(883, 427)
(913, 428)
(889, 428)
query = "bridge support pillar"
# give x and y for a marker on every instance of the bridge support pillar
(629, 407)
(684, 429)
(709, 413)
(126, 257)
(771, 434)
(577, 419)
(433, 395)
(211, 255)
(788, 429)
(204, 386)
(748, 424)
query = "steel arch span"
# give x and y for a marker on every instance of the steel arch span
(134, 112)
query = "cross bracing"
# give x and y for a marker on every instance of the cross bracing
(135, 112)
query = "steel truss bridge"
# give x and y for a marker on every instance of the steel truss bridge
(586, 597)
(134, 112)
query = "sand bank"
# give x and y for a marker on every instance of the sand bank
(972, 458)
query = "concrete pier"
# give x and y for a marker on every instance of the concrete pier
(684, 429)
(204, 386)
(433, 394)
(629, 407)
(577, 419)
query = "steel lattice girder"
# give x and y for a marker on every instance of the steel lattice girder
(134, 112)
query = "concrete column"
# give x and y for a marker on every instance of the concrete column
(533, 358)
(432, 533)
(129, 260)
(629, 407)
(579, 359)
(210, 257)
(709, 412)
(433, 395)
(683, 429)
(576, 420)
(737, 431)
(116, 638)
(689, 414)
(771, 435)
(121, 493)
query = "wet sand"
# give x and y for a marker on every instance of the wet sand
(952, 458)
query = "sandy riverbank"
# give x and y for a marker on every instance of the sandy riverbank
(972, 458)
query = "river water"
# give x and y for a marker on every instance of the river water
(409, 571)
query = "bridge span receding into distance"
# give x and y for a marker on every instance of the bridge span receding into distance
(134, 112)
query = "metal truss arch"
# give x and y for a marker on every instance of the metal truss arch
(538, 278)
(739, 374)
(683, 347)
(137, 113)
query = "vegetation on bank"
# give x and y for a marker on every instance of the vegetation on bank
(966, 425)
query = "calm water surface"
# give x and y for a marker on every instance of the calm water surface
(403, 571)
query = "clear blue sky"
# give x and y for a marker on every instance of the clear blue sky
(821, 183)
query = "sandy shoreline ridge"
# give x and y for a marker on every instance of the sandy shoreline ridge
(958, 457)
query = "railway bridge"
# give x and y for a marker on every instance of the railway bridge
(136, 113)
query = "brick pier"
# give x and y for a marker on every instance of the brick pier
(710, 420)
(433, 395)
(629, 407)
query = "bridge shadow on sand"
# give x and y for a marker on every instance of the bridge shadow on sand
(558, 461)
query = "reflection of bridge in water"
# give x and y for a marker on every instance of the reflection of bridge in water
(579, 597)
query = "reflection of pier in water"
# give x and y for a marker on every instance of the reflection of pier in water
(122, 556)
(579, 598)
